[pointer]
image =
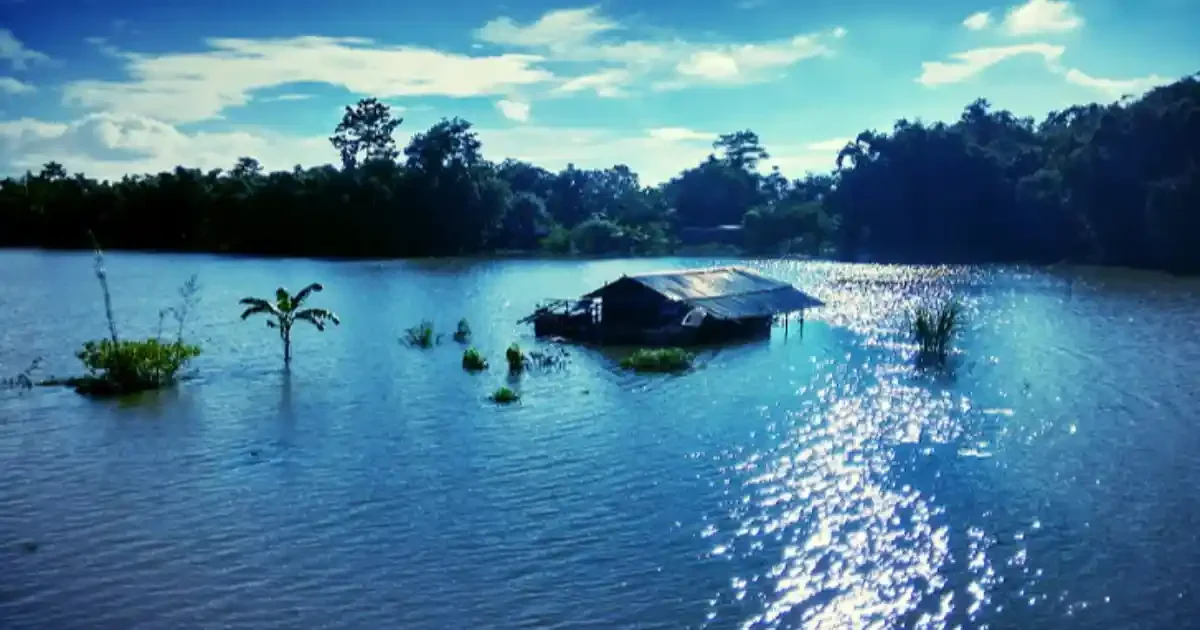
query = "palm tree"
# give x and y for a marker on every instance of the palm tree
(285, 311)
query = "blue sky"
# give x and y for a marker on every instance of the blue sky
(110, 87)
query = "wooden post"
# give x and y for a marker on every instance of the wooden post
(786, 317)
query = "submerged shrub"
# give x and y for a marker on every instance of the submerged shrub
(659, 360)
(473, 361)
(422, 335)
(125, 367)
(462, 334)
(24, 378)
(504, 396)
(934, 330)
(515, 358)
(548, 359)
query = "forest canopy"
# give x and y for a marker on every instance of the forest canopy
(1115, 184)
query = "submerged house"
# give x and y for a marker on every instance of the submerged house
(681, 307)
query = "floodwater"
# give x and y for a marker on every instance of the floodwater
(813, 481)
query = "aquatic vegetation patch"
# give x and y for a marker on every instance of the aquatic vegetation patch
(659, 360)
(462, 334)
(129, 366)
(504, 396)
(934, 330)
(516, 359)
(473, 361)
(421, 336)
(118, 366)
(24, 378)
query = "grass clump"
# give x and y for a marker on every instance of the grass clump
(515, 358)
(659, 360)
(934, 331)
(129, 366)
(24, 378)
(505, 396)
(422, 335)
(473, 361)
(462, 334)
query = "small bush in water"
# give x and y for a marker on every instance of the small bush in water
(515, 358)
(125, 367)
(659, 360)
(473, 361)
(505, 396)
(934, 330)
(422, 335)
(462, 334)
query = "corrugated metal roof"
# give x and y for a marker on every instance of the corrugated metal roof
(727, 292)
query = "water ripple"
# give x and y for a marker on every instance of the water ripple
(815, 481)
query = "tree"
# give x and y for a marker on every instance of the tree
(286, 311)
(741, 149)
(246, 167)
(366, 129)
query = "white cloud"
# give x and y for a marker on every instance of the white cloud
(291, 97)
(605, 83)
(681, 134)
(15, 52)
(967, 64)
(586, 36)
(977, 21)
(188, 87)
(109, 146)
(555, 28)
(1116, 88)
(1042, 16)
(833, 144)
(9, 85)
(513, 110)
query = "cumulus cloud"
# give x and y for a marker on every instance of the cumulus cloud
(110, 146)
(9, 85)
(16, 54)
(189, 87)
(605, 83)
(964, 65)
(513, 110)
(1042, 16)
(556, 28)
(587, 36)
(977, 21)
(1116, 88)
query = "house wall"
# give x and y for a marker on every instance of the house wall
(627, 303)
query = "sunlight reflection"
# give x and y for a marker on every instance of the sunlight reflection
(853, 546)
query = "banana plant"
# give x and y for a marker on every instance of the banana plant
(285, 310)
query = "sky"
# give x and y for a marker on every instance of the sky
(112, 87)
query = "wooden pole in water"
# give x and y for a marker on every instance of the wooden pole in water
(786, 317)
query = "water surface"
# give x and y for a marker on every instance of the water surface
(815, 481)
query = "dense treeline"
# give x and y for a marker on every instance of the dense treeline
(1116, 184)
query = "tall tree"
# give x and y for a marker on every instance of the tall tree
(366, 130)
(741, 149)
